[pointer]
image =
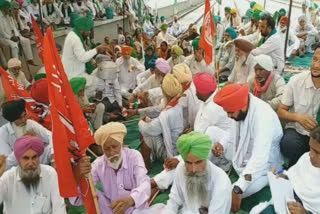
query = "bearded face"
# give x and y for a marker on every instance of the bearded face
(30, 176)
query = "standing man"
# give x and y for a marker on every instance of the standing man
(254, 145)
(30, 187)
(76, 57)
(300, 107)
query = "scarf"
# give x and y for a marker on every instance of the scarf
(264, 39)
(89, 66)
(258, 89)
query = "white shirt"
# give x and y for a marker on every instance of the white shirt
(244, 73)
(255, 147)
(293, 41)
(45, 199)
(180, 59)
(171, 40)
(219, 192)
(34, 10)
(302, 97)
(199, 67)
(272, 48)
(175, 28)
(143, 76)
(74, 56)
(127, 78)
(6, 27)
(211, 114)
(9, 137)
(150, 83)
(304, 178)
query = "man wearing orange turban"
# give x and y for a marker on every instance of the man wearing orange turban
(293, 43)
(254, 144)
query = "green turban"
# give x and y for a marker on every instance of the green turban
(196, 143)
(195, 43)
(78, 83)
(252, 4)
(4, 4)
(14, 4)
(164, 27)
(216, 19)
(176, 49)
(147, 17)
(84, 23)
(40, 76)
(227, 9)
(162, 18)
(200, 30)
(256, 15)
(282, 11)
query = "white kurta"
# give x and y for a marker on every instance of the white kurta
(171, 40)
(219, 193)
(242, 74)
(143, 76)
(127, 78)
(211, 114)
(304, 178)
(44, 199)
(190, 104)
(150, 83)
(74, 56)
(9, 137)
(175, 29)
(272, 48)
(255, 146)
(110, 89)
(172, 62)
(199, 67)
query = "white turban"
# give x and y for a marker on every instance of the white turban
(264, 61)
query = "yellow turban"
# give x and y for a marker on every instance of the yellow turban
(182, 73)
(171, 86)
(257, 7)
(114, 130)
(234, 11)
(177, 50)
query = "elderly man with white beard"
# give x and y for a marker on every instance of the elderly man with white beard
(121, 172)
(30, 187)
(199, 186)
(243, 68)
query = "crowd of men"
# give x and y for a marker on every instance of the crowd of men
(253, 123)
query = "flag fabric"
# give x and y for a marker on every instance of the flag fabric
(70, 130)
(207, 34)
(38, 37)
(15, 91)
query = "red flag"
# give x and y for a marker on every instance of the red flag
(15, 91)
(70, 130)
(38, 37)
(207, 34)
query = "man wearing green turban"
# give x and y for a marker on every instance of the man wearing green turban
(196, 61)
(148, 26)
(176, 56)
(253, 26)
(197, 180)
(76, 56)
(252, 4)
(92, 111)
(227, 16)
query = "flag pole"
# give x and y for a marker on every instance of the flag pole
(94, 193)
(288, 28)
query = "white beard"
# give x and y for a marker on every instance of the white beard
(282, 29)
(239, 62)
(115, 164)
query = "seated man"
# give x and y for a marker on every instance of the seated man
(306, 34)
(129, 68)
(30, 187)
(118, 164)
(160, 134)
(300, 107)
(109, 92)
(243, 68)
(226, 55)
(306, 195)
(199, 186)
(143, 76)
(252, 26)
(196, 61)
(189, 102)
(92, 111)
(254, 143)
(176, 56)
(18, 126)
(14, 68)
(293, 42)
(266, 84)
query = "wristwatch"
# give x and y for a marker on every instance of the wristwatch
(237, 190)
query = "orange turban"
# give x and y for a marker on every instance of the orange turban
(233, 97)
(126, 50)
(284, 20)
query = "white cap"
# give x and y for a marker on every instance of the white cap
(264, 61)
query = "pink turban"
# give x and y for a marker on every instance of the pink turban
(163, 66)
(233, 97)
(205, 83)
(23, 144)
